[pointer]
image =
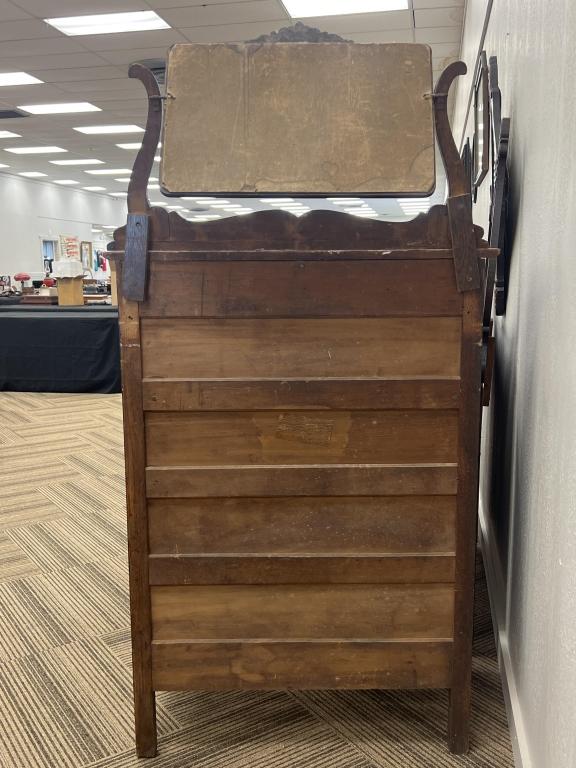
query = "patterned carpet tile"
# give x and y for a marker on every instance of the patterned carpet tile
(65, 652)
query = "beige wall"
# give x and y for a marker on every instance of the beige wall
(529, 527)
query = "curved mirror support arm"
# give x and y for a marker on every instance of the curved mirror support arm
(137, 189)
(459, 201)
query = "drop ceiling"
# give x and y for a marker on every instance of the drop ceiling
(93, 68)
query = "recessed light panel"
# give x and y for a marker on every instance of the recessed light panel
(87, 161)
(65, 182)
(95, 189)
(18, 78)
(59, 109)
(95, 129)
(108, 23)
(9, 135)
(3, 165)
(300, 9)
(32, 174)
(134, 145)
(109, 171)
(35, 150)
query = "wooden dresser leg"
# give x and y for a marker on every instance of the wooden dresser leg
(459, 719)
(145, 718)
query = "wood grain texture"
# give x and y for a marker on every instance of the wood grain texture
(299, 118)
(335, 480)
(467, 522)
(370, 525)
(217, 349)
(269, 665)
(299, 612)
(305, 437)
(300, 394)
(300, 569)
(144, 703)
(299, 288)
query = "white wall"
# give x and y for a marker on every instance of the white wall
(31, 210)
(529, 529)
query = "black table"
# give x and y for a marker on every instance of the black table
(59, 349)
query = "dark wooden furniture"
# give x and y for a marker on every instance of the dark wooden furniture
(302, 414)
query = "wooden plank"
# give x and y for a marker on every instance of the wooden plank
(335, 480)
(300, 569)
(317, 119)
(267, 665)
(314, 437)
(340, 524)
(467, 521)
(384, 288)
(301, 348)
(295, 394)
(144, 703)
(303, 611)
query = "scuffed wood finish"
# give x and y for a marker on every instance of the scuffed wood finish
(362, 288)
(266, 665)
(301, 348)
(306, 437)
(328, 525)
(300, 612)
(335, 480)
(296, 394)
(144, 702)
(301, 569)
(299, 118)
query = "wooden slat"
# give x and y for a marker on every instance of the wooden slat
(270, 665)
(277, 348)
(335, 480)
(300, 569)
(369, 524)
(315, 437)
(298, 611)
(266, 394)
(384, 288)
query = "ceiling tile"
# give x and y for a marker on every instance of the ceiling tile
(124, 41)
(77, 73)
(54, 8)
(160, 4)
(228, 13)
(27, 30)
(53, 61)
(362, 22)
(437, 35)
(439, 17)
(48, 46)
(233, 33)
(31, 94)
(124, 58)
(9, 11)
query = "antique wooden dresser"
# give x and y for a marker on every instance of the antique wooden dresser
(302, 395)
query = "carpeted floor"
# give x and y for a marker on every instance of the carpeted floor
(65, 687)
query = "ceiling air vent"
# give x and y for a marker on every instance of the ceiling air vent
(6, 114)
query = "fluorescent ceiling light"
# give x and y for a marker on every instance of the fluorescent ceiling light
(3, 165)
(87, 161)
(119, 194)
(35, 150)
(153, 186)
(200, 199)
(175, 207)
(109, 171)
(18, 78)
(123, 181)
(157, 159)
(9, 135)
(66, 182)
(410, 205)
(95, 129)
(341, 200)
(95, 189)
(32, 174)
(59, 109)
(108, 226)
(108, 23)
(276, 200)
(301, 9)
